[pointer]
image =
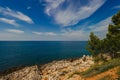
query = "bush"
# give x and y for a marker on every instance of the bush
(96, 69)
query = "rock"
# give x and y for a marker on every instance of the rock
(56, 70)
(105, 56)
(27, 73)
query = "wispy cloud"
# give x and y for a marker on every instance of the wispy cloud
(68, 34)
(101, 26)
(73, 13)
(52, 4)
(14, 31)
(100, 29)
(28, 7)
(9, 21)
(16, 14)
(37, 33)
(116, 7)
(44, 33)
(50, 34)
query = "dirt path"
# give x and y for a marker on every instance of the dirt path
(111, 72)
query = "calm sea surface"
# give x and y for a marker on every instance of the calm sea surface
(21, 53)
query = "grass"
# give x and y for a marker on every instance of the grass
(118, 72)
(97, 69)
(78, 73)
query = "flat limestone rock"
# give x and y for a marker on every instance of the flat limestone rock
(27, 73)
(56, 70)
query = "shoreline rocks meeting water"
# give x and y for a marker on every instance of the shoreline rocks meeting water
(56, 70)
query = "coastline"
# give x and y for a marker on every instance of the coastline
(56, 70)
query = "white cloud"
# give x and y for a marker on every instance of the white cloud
(6, 36)
(50, 34)
(16, 14)
(52, 4)
(9, 21)
(100, 29)
(72, 14)
(101, 26)
(14, 31)
(75, 35)
(116, 7)
(37, 33)
(44, 33)
(67, 34)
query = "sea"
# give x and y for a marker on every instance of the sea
(24, 53)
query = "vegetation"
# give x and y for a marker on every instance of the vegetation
(94, 44)
(77, 73)
(118, 72)
(97, 69)
(109, 45)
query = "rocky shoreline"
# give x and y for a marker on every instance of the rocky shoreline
(56, 70)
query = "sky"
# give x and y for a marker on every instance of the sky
(55, 20)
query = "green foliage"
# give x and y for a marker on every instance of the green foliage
(113, 35)
(118, 72)
(93, 44)
(116, 18)
(77, 73)
(110, 44)
(97, 69)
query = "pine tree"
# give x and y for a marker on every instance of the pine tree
(116, 18)
(110, 44)
(113, 35)
(93, 44)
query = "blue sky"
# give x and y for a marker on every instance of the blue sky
(55, 20)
